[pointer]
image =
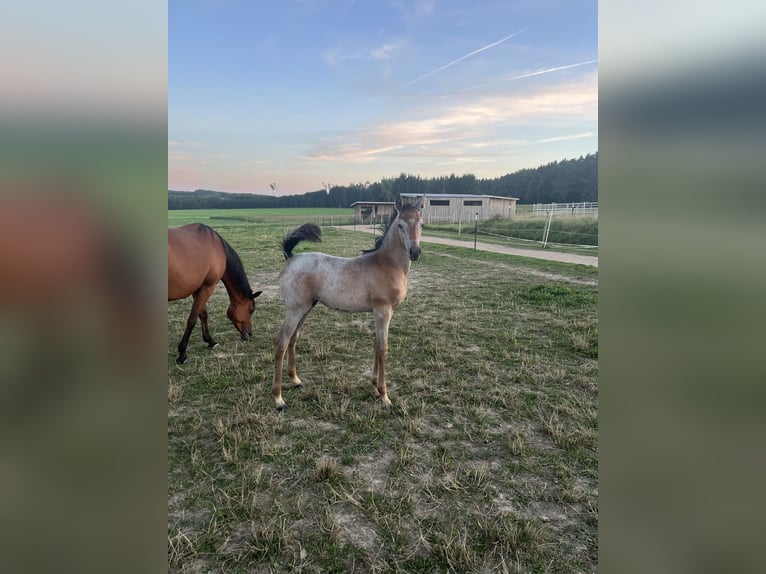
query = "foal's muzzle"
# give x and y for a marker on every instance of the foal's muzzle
(415, 252)
(245, 334)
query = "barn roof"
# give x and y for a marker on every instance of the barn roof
(372, 203)
(447, 195)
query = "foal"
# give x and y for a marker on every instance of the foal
(375, 281)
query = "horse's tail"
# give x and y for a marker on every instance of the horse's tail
(307, 231)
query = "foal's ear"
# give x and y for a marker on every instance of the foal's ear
(419, 202)
(254, 295)
(398, 205)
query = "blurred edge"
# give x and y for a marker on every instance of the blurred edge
(83, 178)
(682, 323)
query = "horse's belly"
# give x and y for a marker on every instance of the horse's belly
(176, 292)
(181, 286)
(348, 303)
(346, 292)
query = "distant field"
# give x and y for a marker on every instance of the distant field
(488, 461)
(277, 217)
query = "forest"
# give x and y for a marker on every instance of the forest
(568, 180)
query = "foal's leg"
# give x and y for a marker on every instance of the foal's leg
(382, 321)
(291, 370)
(205, 333)
(287, 333)
(200, 297)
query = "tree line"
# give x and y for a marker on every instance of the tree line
(569, 180)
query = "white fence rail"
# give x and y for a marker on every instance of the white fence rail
(582, 208)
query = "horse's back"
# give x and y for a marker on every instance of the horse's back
(346, 284)
(195, 257)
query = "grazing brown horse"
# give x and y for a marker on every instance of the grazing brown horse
(198, 258)
(374, 281)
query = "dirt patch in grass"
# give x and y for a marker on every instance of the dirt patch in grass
(354, 530)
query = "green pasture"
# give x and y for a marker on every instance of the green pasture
(487, 461)
(276, 217)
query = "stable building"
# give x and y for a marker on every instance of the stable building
(462, 208)
(372, 211)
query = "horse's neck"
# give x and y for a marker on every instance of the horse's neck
(231, 288)
(393, 249)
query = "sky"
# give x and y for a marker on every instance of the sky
(292, 96)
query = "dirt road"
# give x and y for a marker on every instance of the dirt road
(537, 254)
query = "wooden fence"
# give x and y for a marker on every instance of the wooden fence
(582, 208)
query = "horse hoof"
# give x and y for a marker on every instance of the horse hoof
(213, 345)
(181, 360)
(281, 408)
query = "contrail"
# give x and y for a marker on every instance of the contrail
(548, 70)
(453, 62)
(566, 138)
(537, 73)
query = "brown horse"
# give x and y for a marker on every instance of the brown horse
(374, 281)
(198, 257)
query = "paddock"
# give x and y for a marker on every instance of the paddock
(493, 374)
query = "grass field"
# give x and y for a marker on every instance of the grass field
(262, 217)
(486, 463)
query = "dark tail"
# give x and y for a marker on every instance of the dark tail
(307, 231)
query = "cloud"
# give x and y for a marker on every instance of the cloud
(384, 52)
(353, 153)
(179, 143)
(468, 126)
(461, 58)
(413, 11)
(180, 151)
(336, 55)
(424, 7)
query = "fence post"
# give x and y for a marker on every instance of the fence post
(475, 230)
(547, 229)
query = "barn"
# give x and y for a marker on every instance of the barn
(372, 211)
(459, 208)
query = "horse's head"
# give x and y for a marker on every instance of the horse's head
(240, 313)
(409, 224)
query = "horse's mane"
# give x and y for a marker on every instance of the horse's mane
(234, 266)
(394, 214)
